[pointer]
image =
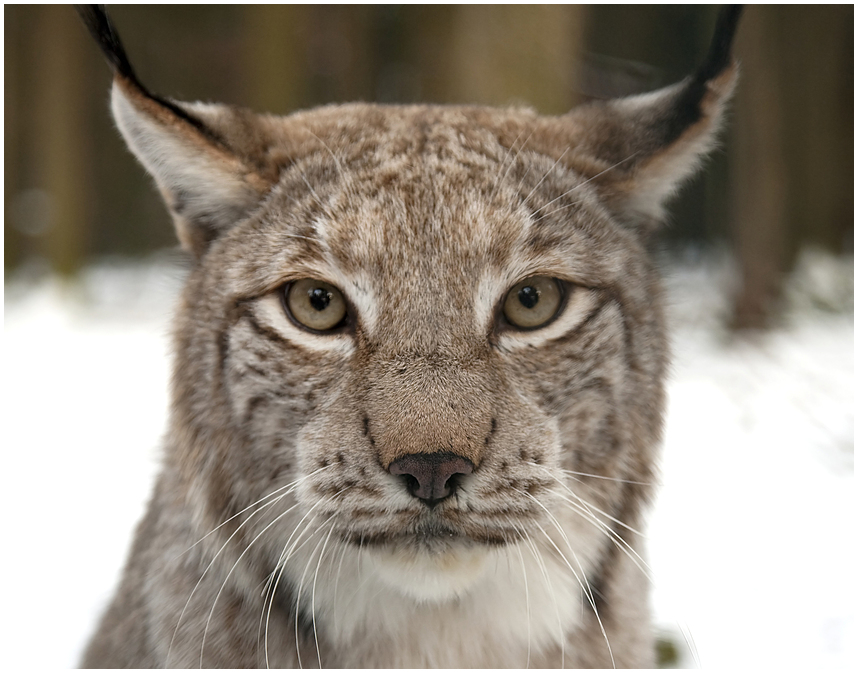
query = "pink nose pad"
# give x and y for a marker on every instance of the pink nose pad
(431, 477)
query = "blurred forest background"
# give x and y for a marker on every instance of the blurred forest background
(781, 181)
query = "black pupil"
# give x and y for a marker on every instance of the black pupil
(319, 298)
(528, 296)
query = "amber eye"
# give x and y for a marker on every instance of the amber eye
(315, 304)
(533, 302)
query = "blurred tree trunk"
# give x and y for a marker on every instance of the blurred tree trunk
(303, 55)
(502, 54)
(275, 48)
(759, 174)
(61, 141)
(793, 150)
(11, 134)
(343, 53)
(817, 44)
(425, 48)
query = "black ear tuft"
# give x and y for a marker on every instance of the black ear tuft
(688, 108)
(208, 183)
(97, 20)
(101, 28)
(719, 56)
(639, 149)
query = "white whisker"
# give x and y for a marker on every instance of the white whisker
(567, 488)
(306, 238)
(526, 601)
(541, 562)
(600, 476)
(336, 600)
(285, 555)
(584, 510)
(209, 566)
(313, 594)
(229, 574)
(549, 213)
(542, 179)
(289, 548)
(301, 589)
(579, 185)
(290, 486)
(587, 590)
(689, 642)
(329, 150)
(562, 532)
(500, 178)
(617, 539)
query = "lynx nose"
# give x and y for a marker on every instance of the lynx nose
(431, 477)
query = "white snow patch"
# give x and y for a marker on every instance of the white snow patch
(752, 538)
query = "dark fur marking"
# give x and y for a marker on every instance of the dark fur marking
(223, 351)
(602, 302)
(381, 539)
(611, 297)
(491, 431)
(286, 598)
(265, 332)
(252, 405)
(628, 339)
(256, 370)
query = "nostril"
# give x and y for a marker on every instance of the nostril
(411, 483)
(431, 477)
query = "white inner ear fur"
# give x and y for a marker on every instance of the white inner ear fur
(662, 175)
(196, 182)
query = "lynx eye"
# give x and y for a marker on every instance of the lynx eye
(533, 302)
(314, 304)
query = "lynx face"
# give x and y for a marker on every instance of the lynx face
(419, 377)
(424, 236)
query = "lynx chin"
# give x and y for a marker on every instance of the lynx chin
(418, 382)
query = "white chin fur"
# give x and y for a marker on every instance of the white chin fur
(430, 576)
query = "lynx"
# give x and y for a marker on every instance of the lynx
(418, 386)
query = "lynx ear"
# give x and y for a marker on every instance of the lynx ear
(638, 150)
(204, 158)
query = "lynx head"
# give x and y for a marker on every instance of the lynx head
(430, 333)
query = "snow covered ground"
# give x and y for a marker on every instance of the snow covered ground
(753, 537)
(751, 542)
